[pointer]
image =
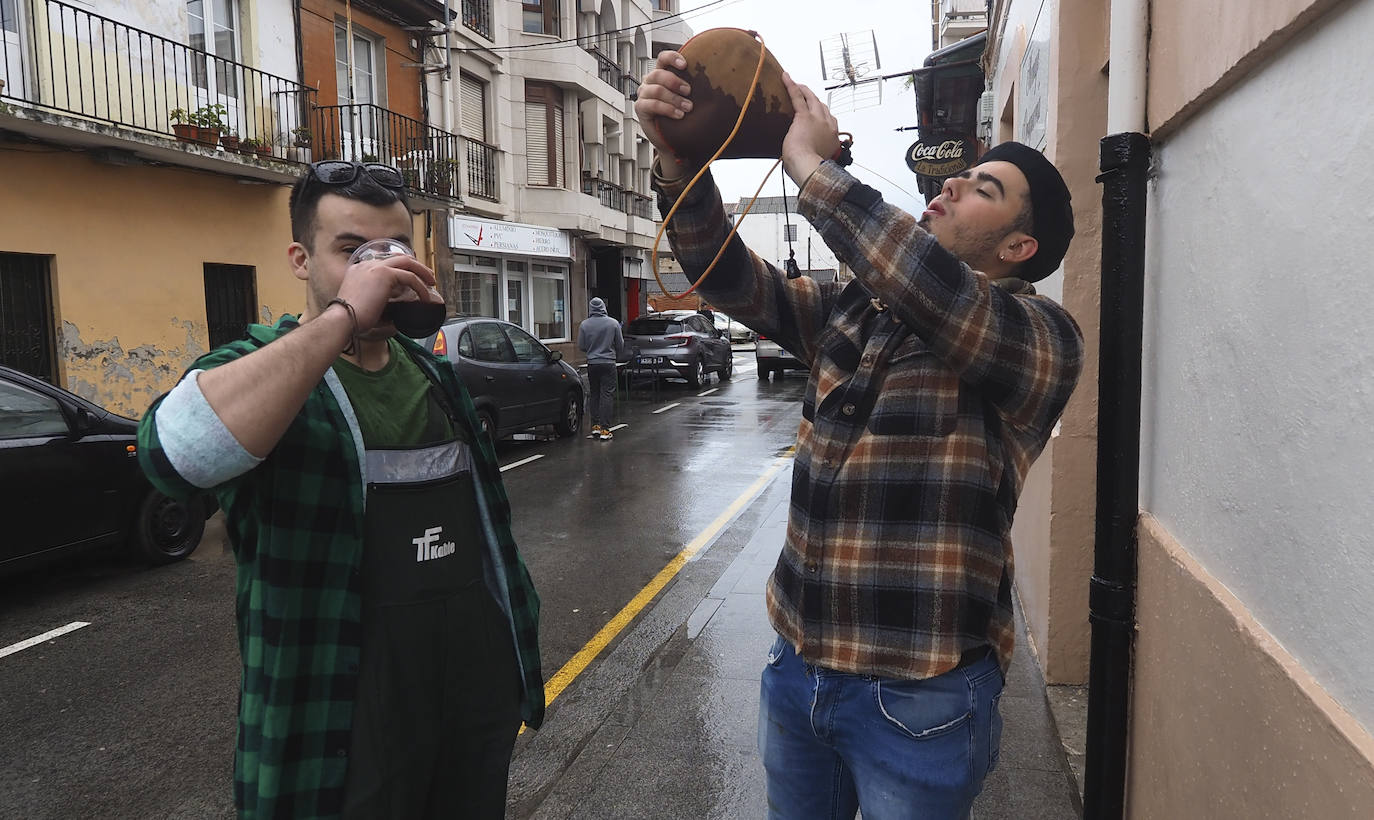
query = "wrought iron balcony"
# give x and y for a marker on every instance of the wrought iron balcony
(62, 59)
(617, 198)
(428, 157)
(477, 16)
(482, 179)
(607, 69)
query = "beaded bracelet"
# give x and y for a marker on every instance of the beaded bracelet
(353, 317)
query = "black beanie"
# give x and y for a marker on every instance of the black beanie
(1051, 213)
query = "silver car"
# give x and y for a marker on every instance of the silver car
(772, 357)
(683, 345)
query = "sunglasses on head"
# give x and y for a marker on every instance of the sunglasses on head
(343, 172)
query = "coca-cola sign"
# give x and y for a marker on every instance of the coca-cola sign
(940, 159)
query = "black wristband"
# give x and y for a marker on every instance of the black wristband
(352, 317)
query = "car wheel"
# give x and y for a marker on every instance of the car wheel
(486, 424)
(694, 377)
(729, 369)
(167, 530)
(570, 420)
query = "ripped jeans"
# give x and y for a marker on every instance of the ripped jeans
(833, 743)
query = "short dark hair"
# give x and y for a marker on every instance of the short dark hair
(307, 192)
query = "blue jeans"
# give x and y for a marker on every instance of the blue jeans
(833, 742)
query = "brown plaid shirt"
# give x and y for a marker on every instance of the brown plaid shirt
(932, 390)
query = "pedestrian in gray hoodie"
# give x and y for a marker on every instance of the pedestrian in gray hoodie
(599, 337)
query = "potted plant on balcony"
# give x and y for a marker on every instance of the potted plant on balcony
(210, 118)
(265, 145)
(301, 136)
(184, 125)
(249, 145)
(229, 139)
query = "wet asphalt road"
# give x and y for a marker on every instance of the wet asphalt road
(133, 715)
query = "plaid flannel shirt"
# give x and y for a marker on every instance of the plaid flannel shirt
(932, 390)
(296, 523)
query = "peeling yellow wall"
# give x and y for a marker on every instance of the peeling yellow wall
(128, 247)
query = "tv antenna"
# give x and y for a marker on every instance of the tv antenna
(851, 62)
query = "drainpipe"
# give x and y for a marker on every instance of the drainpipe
(1124, 162)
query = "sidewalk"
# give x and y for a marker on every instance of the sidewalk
(684, 744)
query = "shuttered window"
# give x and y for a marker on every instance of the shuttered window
(474, 119)
(544, 135)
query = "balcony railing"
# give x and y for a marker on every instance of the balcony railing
(477, 16)
(617, 198)
(482, 181)
(607, 69)
(59, 58)
(428, 157)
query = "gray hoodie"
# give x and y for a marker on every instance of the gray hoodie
(599, 335)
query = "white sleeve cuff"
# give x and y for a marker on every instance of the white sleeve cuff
(198, 445)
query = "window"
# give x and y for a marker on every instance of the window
(12, 49)
(544, 154)
(789, 233)
(541, 16)
(479, 284)
(527, 349)
(490, 344)
(230, 302)
(465, 345)
(26, 413)
(26, 315)
(213, 26)
(474, 101)
(515, 301)
(548, 306)
(366, 55)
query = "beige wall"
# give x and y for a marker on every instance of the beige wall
(128, 247)
(1190, 64)
(1225, 723)
(1053, 532)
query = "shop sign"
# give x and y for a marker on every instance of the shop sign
(475, 233)
(940, 159)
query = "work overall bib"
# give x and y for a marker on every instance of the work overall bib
(438, 690)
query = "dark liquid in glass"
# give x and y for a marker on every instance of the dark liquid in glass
(416, 319)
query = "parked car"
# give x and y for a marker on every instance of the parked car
(772, 357)
(736, 332)
(70, 481)
(678, 345)
(515, 381)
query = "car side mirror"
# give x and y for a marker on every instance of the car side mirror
(555, 356)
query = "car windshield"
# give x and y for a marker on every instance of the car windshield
(653, 327)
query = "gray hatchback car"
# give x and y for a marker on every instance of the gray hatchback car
(515, 381)
(687, 346)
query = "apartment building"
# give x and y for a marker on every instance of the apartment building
(557, 205)
(1248, 693)
(147, 149)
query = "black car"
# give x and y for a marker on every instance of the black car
(70, 481)
(689, 346)
(515, 381)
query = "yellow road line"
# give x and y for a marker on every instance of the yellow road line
(555, 686)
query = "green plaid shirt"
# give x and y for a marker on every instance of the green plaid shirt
(296, 523)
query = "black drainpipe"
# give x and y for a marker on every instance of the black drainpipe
(1125, 161)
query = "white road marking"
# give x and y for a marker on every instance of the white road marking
(619, 427)
(707, 392)
(669, 407)
(46, 636)
(515, 464)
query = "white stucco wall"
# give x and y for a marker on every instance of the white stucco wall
(1259, 371)
(763, 234)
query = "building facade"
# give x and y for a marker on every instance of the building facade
(147, 151)
(1249, 695)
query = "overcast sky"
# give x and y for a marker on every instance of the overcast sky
(794, 30)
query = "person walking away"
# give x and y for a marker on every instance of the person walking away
(936, 377)
(387, 625)
(600, 338)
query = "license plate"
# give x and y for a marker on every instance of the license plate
(651, 360)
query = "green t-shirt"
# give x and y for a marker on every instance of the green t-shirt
(394, 405)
